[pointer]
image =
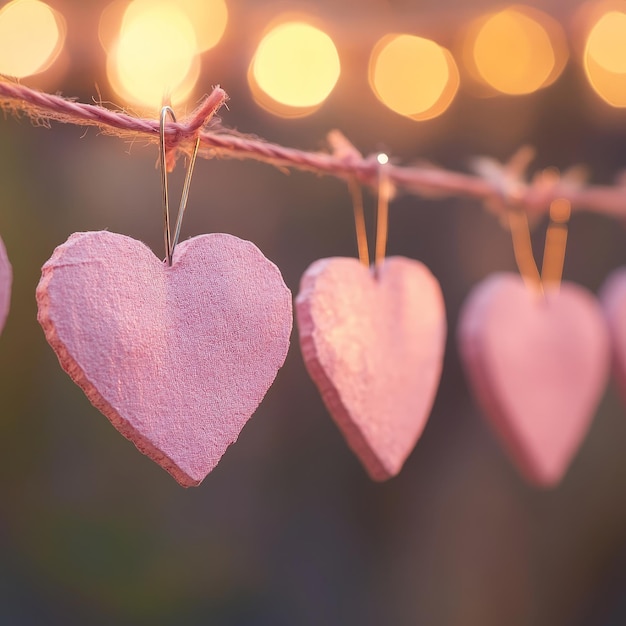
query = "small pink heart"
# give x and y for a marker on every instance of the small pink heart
(613, 299)
(178, 358)
(374, 346)
(5, 285)
(538, 367)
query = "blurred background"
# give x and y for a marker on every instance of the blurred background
(289, 530)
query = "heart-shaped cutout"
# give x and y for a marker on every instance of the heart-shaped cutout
(538, 366)
(613, 299)
(178, 358)
(373, 344)
(5, 285)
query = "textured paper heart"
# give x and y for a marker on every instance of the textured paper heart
(178, 358)
(374, 348)
(538, 367)
(613, 299)
(5, 285)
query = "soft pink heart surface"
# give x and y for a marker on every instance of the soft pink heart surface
(374, 348)
(5, 285)
(613, 298)
(178, 358)
(538, 367)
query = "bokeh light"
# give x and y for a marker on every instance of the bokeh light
(155, 56)
(294, 69)
(110, 24)
(605, 57)
(31, 37)
(516, 51)
(413, 76)
(207, 17)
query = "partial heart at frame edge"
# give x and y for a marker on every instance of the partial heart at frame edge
(611, 295)
(5, 299)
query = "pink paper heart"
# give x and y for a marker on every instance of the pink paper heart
(538, 367)
(613, 299)
(374, 348)
(178, 358)
(5, 285)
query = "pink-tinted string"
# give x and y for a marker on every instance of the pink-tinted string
(216, 140)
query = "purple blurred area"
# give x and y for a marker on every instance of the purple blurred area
(289, 530)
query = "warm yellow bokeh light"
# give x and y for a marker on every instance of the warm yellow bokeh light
(610, 86)
(154, 58)
(207, 17)
(413, 76)
(606, 43)
(605, 58)
(512, 51)
(110, 23)
(31, 37)
(296, 65)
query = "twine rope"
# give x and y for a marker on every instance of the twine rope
(490, 185)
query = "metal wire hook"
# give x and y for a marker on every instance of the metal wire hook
(382, 210)
(359, 221)
(382, 215)
(170, 244)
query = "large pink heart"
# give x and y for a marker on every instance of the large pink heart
(373, 345)
(5, 285)
(538, 367)
(613, 298)
(178, 358)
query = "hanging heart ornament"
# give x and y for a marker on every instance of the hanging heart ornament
(373, 343)
(177, 358)
(538, 365)
(5, 285)
(613, 299)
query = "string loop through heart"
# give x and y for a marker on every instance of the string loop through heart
(382, 215)
(170, 243)
(554, 249)
(556, 242)
(359, 221)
